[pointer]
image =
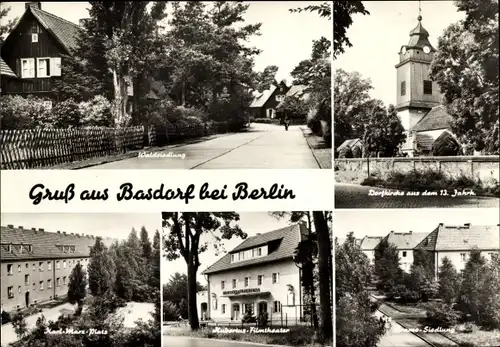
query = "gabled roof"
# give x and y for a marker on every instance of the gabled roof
(63, 30)
(349, 143)
(296, 90)
(462, 238)
(436, 118)
(368, 243)
(44, 244)
(289, 238)
(5, 70)
(261, 98)
(405, 240)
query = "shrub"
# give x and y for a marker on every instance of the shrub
(5, 317)
(441, 315)
(266, 120)
(249, 316)
(170, 311)
(96, 112)
(19, 325)
(345, 152)
(263, 319)
(65, 114)
(315, 125)
(17, 112)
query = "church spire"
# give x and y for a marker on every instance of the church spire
(419, 37)
(419, 12)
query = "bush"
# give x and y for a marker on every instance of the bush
(315, 125)
(266, 120)
(170, 311)
(96, 112)
(17, 112)
(446, 145)
(441, 315)
(263, 319)
(5, 317)
(249, 316)
(65, 114)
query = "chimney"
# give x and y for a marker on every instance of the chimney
(41, 229)
(33, 229)
(20, 227)
(10, 226)
(467, 225)
(64, 233)
(411, 232)
(257, 234)
(441, 224)
(34, 4)
(58, 231)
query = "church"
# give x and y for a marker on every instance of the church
(418, 101)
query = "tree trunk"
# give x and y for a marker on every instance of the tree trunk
(192, 305)
(323, 239)
(314, 312)
(120, 111)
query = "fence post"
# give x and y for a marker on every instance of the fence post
(368, 165)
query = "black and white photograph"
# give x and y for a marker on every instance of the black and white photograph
(416, 116)
(417, 277)
(166, 85)
(80, 280)
(251, 277)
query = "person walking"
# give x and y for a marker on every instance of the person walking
(287, 123)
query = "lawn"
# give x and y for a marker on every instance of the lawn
(476, 337)
(292, 336)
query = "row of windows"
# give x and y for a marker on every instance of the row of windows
(22, 248)
(247, 307)
(45, 67)
(10, 290)
(10, 267)
(248, 254)
(427, 87)
(248, 281)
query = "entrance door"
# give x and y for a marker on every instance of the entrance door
(27, 299)
(204, 309)
(262, 307)
(236, 311)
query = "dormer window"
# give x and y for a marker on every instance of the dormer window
(9, 248)
(232, 258)
(259, 252)
(21, 249)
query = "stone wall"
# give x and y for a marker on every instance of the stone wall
(485, 168)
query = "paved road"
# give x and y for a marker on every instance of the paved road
(183, 341)
(264, 146)
(356, 196)
(9, 335)
(396, 336)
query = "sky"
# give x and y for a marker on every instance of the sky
(115, 225)
(380, 222)
(378, 37)
(285, 40)
(250, 222)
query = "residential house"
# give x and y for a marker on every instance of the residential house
(264, 104)
(405, 243)
(33, 51)
(456, 243)
(36, 264)
(258, 275)
(351, 144)
(368, 245)
(298, 91)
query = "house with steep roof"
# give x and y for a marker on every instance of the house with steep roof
(456, 243)
(351, 144)
(434, 124)
(36, 264)
(368, 244)
(265, 103)
(405, 243)
(259, 275)
(33, 52)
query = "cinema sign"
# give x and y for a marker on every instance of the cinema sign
(241, 291)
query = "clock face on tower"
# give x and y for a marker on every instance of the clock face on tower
(426, 49)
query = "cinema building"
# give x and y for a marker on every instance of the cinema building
(258, 275)
(36, 265)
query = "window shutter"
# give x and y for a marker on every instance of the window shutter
(55, 66)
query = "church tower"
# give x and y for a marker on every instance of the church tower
(416, 93)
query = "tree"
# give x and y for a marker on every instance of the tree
(266, 78)
(472, 295)
(183, 239)
(387, 267)
(175, 292)
(492, 294)
(356, 324)
(294, 107)
(343, 12)
(101, 270)
(466, 69)
(446, 145)
(77, 287)
(323, 241)
(6, 27)
(19, 324)
(383, 132)
(351, 103)
(449, 281)
(146, 244)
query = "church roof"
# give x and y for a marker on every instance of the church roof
(436, 118)
(419, 37)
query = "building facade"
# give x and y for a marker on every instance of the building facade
(456, 243)
(36, 265)
(405, 243)
(368, 244)
(259, 275)
(265, 104)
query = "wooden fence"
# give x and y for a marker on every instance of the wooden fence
(34, 148)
